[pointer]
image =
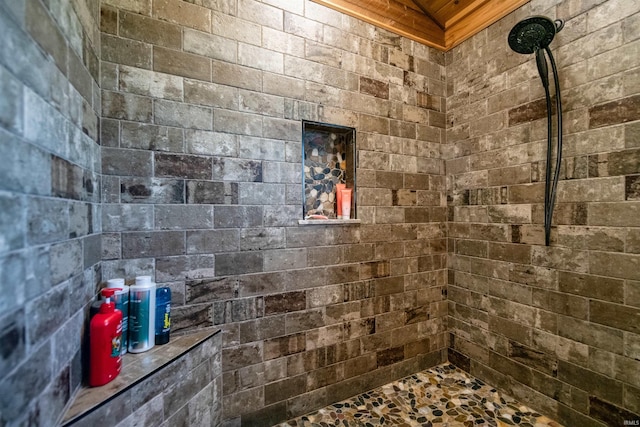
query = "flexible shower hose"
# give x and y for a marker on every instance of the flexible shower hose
(551, 186)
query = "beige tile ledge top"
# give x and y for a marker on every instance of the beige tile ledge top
(135, 368)
(328, 221)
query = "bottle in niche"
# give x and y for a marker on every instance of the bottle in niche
(142, 310)
(105, 339)
(121, 299)
(163, 315)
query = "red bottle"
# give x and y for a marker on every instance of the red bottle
(105, 337)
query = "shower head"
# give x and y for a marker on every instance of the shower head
(533, 33)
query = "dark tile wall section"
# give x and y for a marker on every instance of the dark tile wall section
(50, 212)
(554, 326)
(202, 107)
(185, 392)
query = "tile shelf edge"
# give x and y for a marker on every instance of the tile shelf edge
(329, 221)
(135, 368)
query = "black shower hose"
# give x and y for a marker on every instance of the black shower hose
(551, 187)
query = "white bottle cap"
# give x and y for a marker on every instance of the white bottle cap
(143, 280)
(115, 283)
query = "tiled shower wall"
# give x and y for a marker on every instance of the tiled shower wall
(202, 102)
(555, 326)
(49, 201)
(202, 105)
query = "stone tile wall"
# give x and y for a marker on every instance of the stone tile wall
(185, 392)
(50, 215)
(198, 110)
(555, 326)
(201, 157)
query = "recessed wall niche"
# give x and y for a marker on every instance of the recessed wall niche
(328, 159)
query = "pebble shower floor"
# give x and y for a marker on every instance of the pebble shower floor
(441, 396)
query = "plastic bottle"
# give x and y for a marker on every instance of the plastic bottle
(95, 307)
(121, 299)
(105, 338)
(142, 310)
(163, 315)
(346, 202)
(339, 188)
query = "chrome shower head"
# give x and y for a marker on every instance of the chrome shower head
(533, 33)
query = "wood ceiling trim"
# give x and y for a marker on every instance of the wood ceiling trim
(442, 24)
(446, 12)
(483, 16)
(394, 16)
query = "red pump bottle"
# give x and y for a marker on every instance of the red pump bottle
(105, 338)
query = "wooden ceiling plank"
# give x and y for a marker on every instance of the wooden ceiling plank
(411, 4)
(408, 17)
(452, 13)
(393, 9)
(426, 12)
(435, 5)
(393, 16)
(482, 17)
(442, 24)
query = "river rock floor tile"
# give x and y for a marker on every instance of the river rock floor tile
(441, 396)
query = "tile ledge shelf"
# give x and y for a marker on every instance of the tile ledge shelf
(135, 368)
(328, 221)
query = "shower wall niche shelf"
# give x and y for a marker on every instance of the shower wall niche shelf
(328, 221)
(328, 159)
